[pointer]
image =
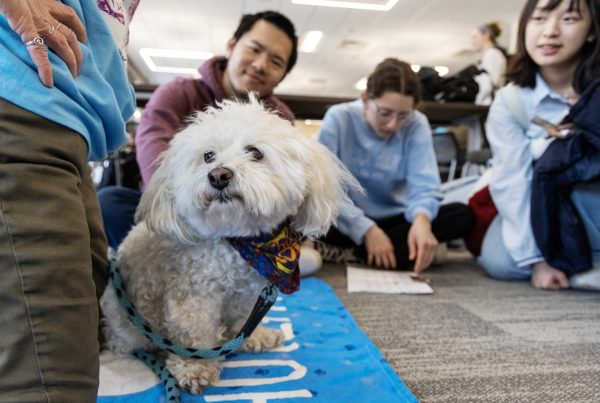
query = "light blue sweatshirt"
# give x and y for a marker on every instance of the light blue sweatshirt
(96, 104)
(515, 150)
(399, 174)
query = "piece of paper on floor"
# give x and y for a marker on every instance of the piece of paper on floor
(384, 282)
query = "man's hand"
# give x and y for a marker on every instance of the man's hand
(380, 250)
(421, 243)
(40, 18)
(547, 277)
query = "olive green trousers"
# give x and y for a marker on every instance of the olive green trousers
(53, 263)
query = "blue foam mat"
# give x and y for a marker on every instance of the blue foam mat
(326, 358)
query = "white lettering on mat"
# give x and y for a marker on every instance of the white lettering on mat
(298, 371)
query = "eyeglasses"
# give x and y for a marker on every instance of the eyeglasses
(387, 115)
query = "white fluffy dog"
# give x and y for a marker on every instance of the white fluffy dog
(236, 171)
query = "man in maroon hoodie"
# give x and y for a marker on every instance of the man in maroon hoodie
(259, 56)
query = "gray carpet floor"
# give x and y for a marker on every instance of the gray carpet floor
(480, 340)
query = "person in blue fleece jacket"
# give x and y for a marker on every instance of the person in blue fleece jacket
(387, 145)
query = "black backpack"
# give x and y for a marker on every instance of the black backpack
(459, 87)
(431, 83)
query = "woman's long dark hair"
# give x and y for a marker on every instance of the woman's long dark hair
(522, 69)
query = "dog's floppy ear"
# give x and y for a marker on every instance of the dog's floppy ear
(327, 182)
(157, 206)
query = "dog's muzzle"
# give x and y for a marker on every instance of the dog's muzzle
(219, 178)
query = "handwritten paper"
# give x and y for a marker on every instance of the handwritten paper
(384, 282)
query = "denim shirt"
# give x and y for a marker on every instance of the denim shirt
(515, 150)
(399, 173)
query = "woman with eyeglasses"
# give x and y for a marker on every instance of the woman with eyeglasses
(387, 145)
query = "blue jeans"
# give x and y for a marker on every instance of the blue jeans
(118, 205)
(499, 264)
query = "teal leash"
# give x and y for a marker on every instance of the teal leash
(266, 299)
(157, 365)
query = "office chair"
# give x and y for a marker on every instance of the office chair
(478, 160)
(446, 151)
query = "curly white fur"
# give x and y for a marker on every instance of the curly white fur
(180, 271)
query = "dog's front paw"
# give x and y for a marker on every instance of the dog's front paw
(262, 339)
(192, 374)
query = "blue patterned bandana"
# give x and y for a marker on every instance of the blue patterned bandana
(275, 256)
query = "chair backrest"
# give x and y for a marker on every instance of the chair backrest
(446, 150)
(445, 146)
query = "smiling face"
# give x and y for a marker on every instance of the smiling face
(554, 38)
(257, 61)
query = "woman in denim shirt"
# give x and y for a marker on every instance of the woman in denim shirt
(558, 56)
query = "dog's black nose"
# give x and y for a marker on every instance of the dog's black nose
(219, 177)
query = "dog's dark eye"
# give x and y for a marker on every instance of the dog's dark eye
(256, 154)
(209, 156)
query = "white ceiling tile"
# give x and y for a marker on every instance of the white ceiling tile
(426, 32)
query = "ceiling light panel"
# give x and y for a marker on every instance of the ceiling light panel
(311, 41)
(173, 60)
(361, 84)
(381, 5)
(442, 70)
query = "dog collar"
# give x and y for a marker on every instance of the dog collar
(274, 255)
